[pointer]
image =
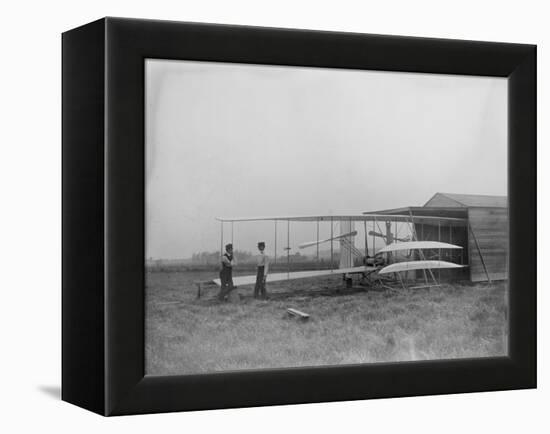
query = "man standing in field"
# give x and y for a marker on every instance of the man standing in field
(226, 273)
(262, 271)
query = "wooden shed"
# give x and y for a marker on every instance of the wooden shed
(483, 234)
(487, 232)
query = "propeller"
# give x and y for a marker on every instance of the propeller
(338, 237)
(385, 237)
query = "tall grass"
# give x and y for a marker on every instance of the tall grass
(185, 335)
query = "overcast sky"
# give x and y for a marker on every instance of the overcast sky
(249, 140)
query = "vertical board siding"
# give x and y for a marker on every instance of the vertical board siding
(490, 227)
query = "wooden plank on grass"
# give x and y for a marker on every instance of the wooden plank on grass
(297, 313)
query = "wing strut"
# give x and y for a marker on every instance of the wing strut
(373, 238)
(331, 245)
(351, 242)
(288, 249)
(366, 240)
(221, 240)
(275, 243)
(317, 243)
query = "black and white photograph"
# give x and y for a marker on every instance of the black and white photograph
(275, 217)
(301, 217)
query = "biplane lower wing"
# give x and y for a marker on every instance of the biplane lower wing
(418, 265)
(277, 277)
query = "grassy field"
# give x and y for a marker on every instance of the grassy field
(359, 325)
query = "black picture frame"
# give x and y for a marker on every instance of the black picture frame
(103, 215)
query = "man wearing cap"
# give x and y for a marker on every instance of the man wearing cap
(226, 273)
(262, 271)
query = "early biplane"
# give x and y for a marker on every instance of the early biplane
(352, 260)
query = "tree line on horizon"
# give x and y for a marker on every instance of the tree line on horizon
(243, 257)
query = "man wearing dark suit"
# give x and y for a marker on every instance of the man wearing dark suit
(226, 273)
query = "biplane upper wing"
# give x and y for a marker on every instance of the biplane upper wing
(346, 217)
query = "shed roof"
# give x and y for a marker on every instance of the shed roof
(468, 200)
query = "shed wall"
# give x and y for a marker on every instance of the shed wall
(490, 228)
